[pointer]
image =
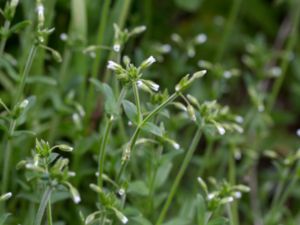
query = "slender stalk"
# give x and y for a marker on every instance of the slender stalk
(7, 156)
(285, 61)
(228, 28)
(4, 39)
(102, 154)
(44, 201)
(137, 101)
(49, 212)
(24, 75)
(233, 207)
(139, 127)
(180, 174)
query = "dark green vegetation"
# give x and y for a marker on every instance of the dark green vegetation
(100, 123)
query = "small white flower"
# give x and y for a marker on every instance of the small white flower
(77, 199)
(148, 62)
(72, 174)
(239, 119)
(201, 38)
(237, 194)
(139, 83)
(113, 66)
(152, 85)
(124, 220)
(129, 123)
(221, 130)
(166, 48)
(116, 47)
(24, 104)
(63, 36)
(5, 196)
(210, 196)
(227, 74)
(298, 132)
(176, 145)
(121, 191)
(276, 71)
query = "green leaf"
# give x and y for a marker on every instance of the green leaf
(3, 218)
(130, 111)
(110, 106)
(162, 174)
(20, 26)
(152, 128)
(138, 187)
(188, 5)
(201, 210)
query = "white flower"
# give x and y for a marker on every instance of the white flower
(63, 36)
(227, 74)
(298, 132)
(113, 66)
(77, 199)
(239, 119)
(201, 38)
(139, 83)
(24, 104)
(176, 145)
(166, 48)
(116, 47)
(221, 130)
(148, 62)
(5, 196)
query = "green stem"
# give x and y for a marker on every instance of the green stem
(7, 156)
(4, 39)
(137, 101)
(233, 208)
(180, 174)
(228, 29)
(49, 212)
(25, 73)
(285, 61)
(139, 127)
(44, 201)
(102, 154)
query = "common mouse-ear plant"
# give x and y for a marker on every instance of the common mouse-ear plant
(50, 172)
(210, 203)
(206, 116)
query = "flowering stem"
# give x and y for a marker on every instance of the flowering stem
(44, 201)
(139, 127)
(180, 174)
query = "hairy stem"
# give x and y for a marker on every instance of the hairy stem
(44, 201)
